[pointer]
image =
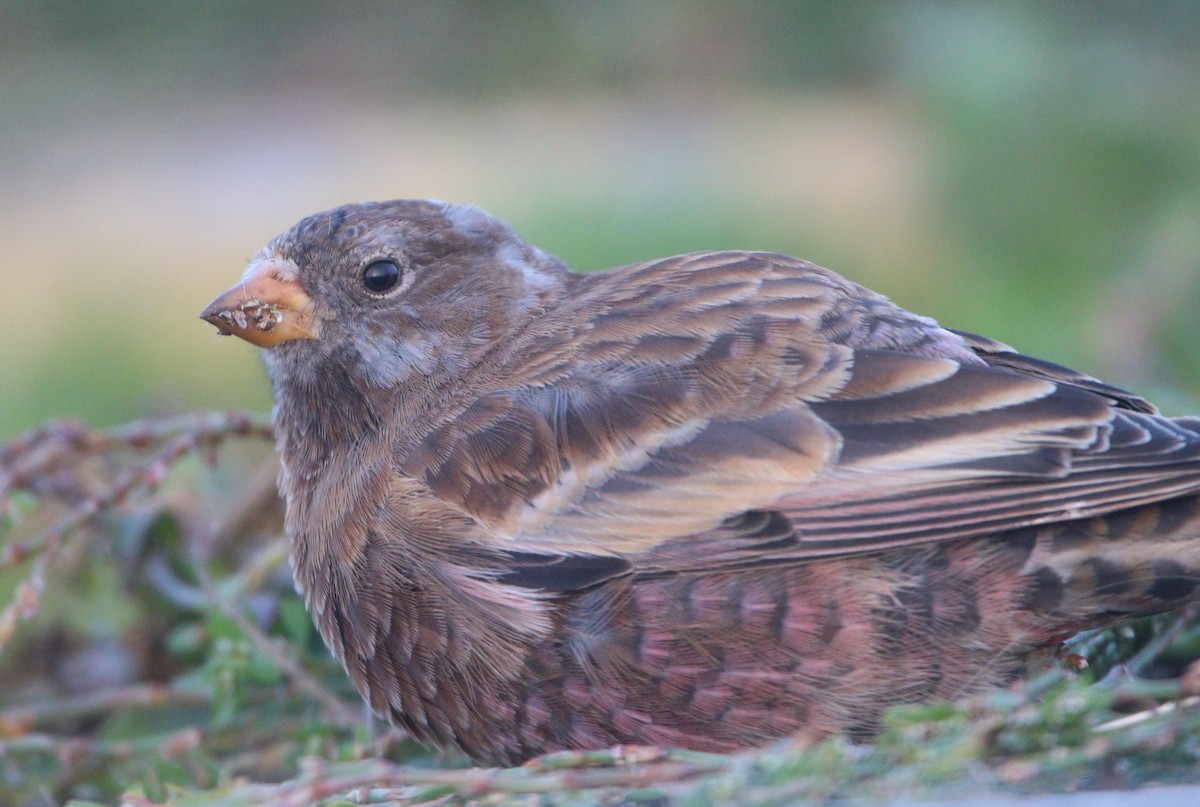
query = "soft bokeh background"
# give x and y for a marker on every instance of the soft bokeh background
(1026, 170)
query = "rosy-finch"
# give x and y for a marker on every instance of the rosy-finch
(703, 501)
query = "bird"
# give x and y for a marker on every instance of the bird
(705, 502)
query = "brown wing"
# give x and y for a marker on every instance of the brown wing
(712, 391)
(998, 354)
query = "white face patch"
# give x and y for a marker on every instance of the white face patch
(536, 279)
(535, 269)
(471, 219)
(274, 266)
(388, 362)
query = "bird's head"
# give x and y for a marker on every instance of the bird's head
(388, 291)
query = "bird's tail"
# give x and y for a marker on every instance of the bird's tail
(1094, 571)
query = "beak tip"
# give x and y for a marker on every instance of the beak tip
(210, 314)
(210, 311)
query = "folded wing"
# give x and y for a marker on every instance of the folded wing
(740, 408)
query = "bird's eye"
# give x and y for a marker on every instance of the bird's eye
(381, 277)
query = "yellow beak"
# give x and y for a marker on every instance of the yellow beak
(267, 307)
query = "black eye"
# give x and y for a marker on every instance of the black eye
(381, 276)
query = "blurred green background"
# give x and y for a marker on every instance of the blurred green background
(1026, 170)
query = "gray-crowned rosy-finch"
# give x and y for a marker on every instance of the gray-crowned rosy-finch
(703, 501)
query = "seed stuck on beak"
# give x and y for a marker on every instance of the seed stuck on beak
(266, 308)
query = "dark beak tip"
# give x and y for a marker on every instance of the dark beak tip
(212, 313)
(213, 309)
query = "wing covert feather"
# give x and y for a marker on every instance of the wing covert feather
(710, 386)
